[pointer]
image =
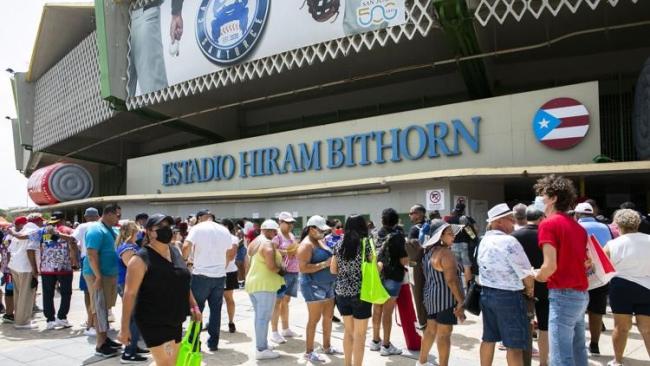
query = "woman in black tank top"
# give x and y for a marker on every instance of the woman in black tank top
(159, 278)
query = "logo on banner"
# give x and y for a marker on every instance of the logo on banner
(375, 12)
(227, 30)
(561, 123)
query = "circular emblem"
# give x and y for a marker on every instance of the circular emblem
(561, 123)
(227, 30)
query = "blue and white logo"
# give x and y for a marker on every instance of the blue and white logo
(227, 30)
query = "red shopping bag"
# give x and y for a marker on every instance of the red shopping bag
(602, 270)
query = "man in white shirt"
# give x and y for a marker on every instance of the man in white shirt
(24, 271)
(209, 247)
(91, 215)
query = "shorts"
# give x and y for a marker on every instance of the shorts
(598, 300)
(353, 306)
(9, 285)
(83, 286)
(290, 287)
(541, 314)
(505, 318)
(445, 317)
(109, 286)
(392, 287)
(232, 282)
(156, 335)
(312, 292)
(241, 254)
(627, 297)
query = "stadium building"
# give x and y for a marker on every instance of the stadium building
(254, 107)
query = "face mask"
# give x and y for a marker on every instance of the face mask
(338, 232)
(164, 234)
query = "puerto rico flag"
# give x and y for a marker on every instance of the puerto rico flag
(561, 123)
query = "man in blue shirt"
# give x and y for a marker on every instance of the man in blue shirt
(597, 296)
(100, 271)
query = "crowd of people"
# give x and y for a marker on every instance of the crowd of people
(531, 268)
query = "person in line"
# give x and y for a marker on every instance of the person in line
(231, 278)
(285, 243)
(519, 212)
(58, 258)
(564, 245)
(127, 248)
(91, 216)
(392, 259)
(210, 247)
(332, 239)
(504, 272)
(157, 289)
(100, 270)
(265, 277)
(24, 272)
(240, 258)
(629, 290)
(141, 221)
(527, 237)
(417, 215)
(316, 285)
(464, 241)
(346, 264)
(443, 292)
(5, 277)
(597, 306)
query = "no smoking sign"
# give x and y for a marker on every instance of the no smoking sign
(435, 199)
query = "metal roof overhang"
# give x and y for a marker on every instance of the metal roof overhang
(367, 185)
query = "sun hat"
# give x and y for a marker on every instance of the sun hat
(437, 227)
(499, 211)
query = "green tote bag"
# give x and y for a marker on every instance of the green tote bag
(372, 290)
(189, 352)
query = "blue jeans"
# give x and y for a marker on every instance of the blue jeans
(566, 327)
(132, 348)
(210, 289)
(263, 303)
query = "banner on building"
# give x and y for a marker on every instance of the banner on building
(172, 41)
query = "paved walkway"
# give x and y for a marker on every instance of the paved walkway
(69, 347)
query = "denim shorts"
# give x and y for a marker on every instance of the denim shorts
(354, 306)
(505, 317)
(392, 287)
(312, 291)
(241, 254)
(290, 287)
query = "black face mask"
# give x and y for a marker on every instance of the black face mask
(164, 235)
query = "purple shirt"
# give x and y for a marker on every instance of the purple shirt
(290, 261)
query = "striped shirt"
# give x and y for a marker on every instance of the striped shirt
(437, 295)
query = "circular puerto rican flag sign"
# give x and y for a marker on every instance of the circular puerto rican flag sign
(561, 123)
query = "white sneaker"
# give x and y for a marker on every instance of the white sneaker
(90, 332)
(288, 333)
(63, 323)
(417, 363)
(267, 354)
(26, 326)
(332, 351)
(375, 346)
(277, 338)
(390, 350)
(50, 325)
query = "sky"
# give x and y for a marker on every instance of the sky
(19, 21)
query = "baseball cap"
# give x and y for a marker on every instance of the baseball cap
(269, 225)
(317, 221)
(35, 218)
(584, 208)
(499, 211)
(20, 220)
(156, 219)
(202, 213)
(55, 217)
(91, 212)
(286, 217)
(141, 216)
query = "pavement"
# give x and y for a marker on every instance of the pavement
(69, 347)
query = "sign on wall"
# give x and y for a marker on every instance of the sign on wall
(174, 41)
(435, 199)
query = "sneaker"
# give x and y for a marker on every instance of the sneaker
(594, 350)
(313, 357)
(142, 351)
(614, 363)
(335, 319)
(26, 326)
(106, 351)
(417, 363)
(501, 347)
(111, 317)
(111, 343)
(134, 358)
(277, 338)
(51, 325)
(288, 333)
(8, 318)
(332, 351)
(535, 352)
(213, 348)
(390, 350)
(267, 354)
(90, 332)
(63, 323)
(375, 346)
(232, 328)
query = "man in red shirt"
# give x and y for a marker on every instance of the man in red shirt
(564, 244)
